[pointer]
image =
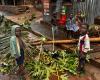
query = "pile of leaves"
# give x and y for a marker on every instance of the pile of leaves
(50, 63)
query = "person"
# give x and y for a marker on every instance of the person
(78, 23)
(17, 47)
(71, 26)
(83, 46)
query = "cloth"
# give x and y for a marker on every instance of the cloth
(84, 44)
(14, 43)
(62, 20)
(70, 25)
(20, 60)
(64, 9)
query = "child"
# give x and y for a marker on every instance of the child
(83, 46)
(17, 48)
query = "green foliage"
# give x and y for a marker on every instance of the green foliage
(94, 30)
(6, 63)
(27, 22)
(63, 77)
(47, 64)
(43, 38)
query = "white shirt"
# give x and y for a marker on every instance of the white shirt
(86, 45)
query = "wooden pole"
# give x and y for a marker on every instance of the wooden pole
(73, 41)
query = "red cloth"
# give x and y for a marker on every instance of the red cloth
(82, 43)
(62, 20)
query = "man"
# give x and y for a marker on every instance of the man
(17, 49)
(83, 46)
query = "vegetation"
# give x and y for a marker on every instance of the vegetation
(54, 63)
(94, 30)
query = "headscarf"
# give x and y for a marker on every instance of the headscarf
(14, 43)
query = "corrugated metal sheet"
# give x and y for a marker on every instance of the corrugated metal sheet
(90, 7)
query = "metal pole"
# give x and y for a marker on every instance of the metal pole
(14, 2)
(53, 34)
(3, 2)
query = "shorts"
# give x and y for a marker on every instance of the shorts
(20, 60)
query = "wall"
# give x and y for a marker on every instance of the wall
(91, 8)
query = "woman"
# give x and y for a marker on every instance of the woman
(17, 48)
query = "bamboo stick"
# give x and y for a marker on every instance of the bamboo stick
(73, 41)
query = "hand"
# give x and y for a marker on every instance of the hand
(91, 49)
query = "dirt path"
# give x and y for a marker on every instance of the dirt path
(94, 71)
